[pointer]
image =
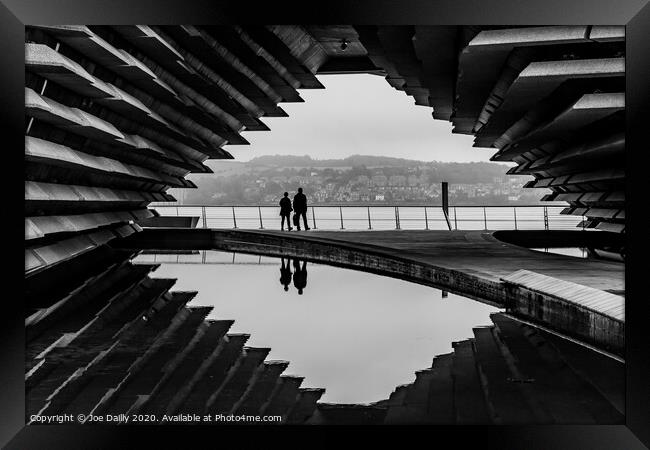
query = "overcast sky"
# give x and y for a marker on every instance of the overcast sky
(358, 114)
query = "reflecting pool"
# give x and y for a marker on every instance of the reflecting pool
(358, 335)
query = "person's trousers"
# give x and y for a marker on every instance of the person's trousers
(288, 217)
(303, 214)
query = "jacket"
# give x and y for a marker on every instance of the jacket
(300, 203)
(285, 206)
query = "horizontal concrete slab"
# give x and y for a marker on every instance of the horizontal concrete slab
(588, 297)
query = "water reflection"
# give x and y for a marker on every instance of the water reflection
(357, 334)
(299, 274)
(285, 274)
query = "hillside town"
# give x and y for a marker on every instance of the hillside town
(404, 182)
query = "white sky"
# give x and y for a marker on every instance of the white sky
(358, 114)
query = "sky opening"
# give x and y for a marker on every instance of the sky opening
(358, 114)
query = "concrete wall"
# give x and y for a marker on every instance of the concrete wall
(571, 319)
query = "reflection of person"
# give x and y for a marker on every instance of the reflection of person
(299, 275)
(300, 207)
(285, 211)
(285, 274)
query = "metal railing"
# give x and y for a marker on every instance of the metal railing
(384, 217)
(204, 257)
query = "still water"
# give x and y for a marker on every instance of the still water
(356, 334)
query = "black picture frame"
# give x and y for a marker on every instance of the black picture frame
(634, 14)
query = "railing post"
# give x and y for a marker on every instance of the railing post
(446, 214)
(369, 223)
(514, 210)
(546, 218)
(341, 216)
(445, 204)
(485, 218)
(205, 217)
(455, 221)
(397, 227)
(177, 213)
(426, 218)
(234, 220)
(259, 210)
(313, 217)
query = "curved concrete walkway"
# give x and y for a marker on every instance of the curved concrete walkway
(574, 296)
(478, 253)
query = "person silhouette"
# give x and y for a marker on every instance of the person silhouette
(300, 207)
(285, 211)
(285, 274)
(299, 275)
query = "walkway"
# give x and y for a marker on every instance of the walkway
(479, 253)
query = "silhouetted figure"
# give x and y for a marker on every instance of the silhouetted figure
(285, 211)
(300, 207)
(299, 275)
(285, 274)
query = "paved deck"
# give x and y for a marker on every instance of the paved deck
(479, 253)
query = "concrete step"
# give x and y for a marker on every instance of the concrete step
(605, 373)
(107, 328)
(427, 400)
(104, 374)
(164, 354)
(551, 385)
(284, 397)
(182, 377)
(305, 405)
(566, 396)
(214, 374)
(77, 309)
(469, 398)
(254, 399)
(414, 405)
(506, 402)
(122, 309)
(237, 381)
(395, 403)
(526, 383)
(398, 395)
(441, 391)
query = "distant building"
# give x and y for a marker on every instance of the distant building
(379, 180)
(397, 180)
